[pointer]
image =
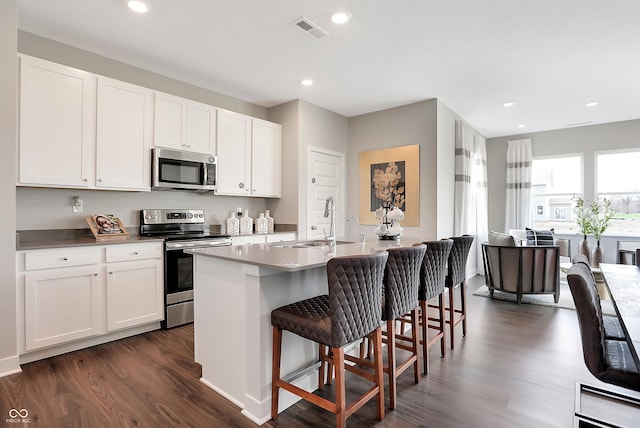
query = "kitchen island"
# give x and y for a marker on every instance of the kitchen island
(235, 290)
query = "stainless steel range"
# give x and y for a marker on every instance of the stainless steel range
(181, 229)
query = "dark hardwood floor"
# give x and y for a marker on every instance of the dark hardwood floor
(517, 367)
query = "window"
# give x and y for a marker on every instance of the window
(554, 182)
(617, 180)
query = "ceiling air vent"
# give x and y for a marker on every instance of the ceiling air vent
(310, 28)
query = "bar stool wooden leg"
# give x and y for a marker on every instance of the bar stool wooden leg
(275, 365)
(341, 401)
(379, 373)
(391, 351)
(443, 339)
(415, 344)
(452, 313)
(425, 336)
(321, 356)
(463, 304)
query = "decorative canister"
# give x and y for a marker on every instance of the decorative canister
(233, 224)
(270, 220)
(262, 224)
(246, 224)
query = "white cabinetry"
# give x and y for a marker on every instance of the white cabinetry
(266, 168)
(75, 293)
(57, 124)
(184, 124)
(124, 135)
(249, 156)
(134, 285)
(80, 130)
(63, 297)
(234, 154)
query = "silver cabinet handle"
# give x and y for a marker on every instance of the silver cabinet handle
(313, 180)
(85, 179)
(99, 180)
(314, 227)
(241, 185)
(110, 273)
(65, 258)
(95, 274)
(135, 253)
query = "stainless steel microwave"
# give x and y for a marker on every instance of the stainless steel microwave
(182, 170)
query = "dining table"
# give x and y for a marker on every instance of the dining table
(623, 282)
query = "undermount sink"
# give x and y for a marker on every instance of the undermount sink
(306, 244)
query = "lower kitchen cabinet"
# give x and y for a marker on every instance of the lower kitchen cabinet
(76, 293)
(134, 293)
(62, 305)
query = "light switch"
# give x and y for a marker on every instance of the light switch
(77, 204)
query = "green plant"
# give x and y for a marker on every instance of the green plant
(583, 216)
(601, 213)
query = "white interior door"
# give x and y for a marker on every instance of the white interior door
(325, 178)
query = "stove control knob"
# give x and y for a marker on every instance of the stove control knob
(189, 215)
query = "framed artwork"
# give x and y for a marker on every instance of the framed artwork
(390, 177)
(106, 227)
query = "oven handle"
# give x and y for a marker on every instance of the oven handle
(181, 245)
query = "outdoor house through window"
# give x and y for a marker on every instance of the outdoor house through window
(617, 180)
(554, 183)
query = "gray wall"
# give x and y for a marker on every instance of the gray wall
(583, 140)
(400, 126)
(8, 132)
(446, 164)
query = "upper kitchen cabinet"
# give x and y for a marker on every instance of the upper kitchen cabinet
(80, 130)
(57, 124)
(266, 155)
(249, 156)
(184, 124)
(124, 136)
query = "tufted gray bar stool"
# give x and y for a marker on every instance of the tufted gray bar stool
(350, 311)
(400, 298)
(457, 276)
(432, 280)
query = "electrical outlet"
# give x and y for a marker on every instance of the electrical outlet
(76, 206)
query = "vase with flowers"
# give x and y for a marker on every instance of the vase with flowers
(601, 213)
(583, 219)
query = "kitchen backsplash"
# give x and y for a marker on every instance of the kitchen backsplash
(43, 208)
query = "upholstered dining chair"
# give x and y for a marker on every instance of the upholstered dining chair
(608, 360)
(351, 311)
(457, 276)
(611, 323)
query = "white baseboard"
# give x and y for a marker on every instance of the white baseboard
(9, 366)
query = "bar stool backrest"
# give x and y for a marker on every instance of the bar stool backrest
(355, 295)
(402, 280)
(457, 263)
(434, 268)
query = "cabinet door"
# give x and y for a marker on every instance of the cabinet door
(234, 153)
(62, 305)
(57, 124)
(135, 293)
(170, 121)
(201, 128)
(266, 164)
(124, 136)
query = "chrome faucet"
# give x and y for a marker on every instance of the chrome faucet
(360, 226)
(330, 211)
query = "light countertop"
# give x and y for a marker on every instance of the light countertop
(284, 256)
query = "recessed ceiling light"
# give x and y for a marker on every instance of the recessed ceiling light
(307, 82)
(508, 104)
(138, 6)
(591, 104)
(522, 125)
(341, 17)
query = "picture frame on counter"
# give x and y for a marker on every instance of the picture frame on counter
(106, 227)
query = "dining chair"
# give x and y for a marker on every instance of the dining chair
(351, 311)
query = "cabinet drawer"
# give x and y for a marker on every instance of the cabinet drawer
(61, 258)
(124, 253)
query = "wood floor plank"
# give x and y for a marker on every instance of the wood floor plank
(517, 367)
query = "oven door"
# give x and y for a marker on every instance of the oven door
(178, 276)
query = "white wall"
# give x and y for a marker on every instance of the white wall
(8, 132)
(446, 161)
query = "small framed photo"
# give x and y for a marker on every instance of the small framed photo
(106, 226)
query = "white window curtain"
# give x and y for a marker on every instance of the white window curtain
(482, 198)
(518, 186)
(462, 189)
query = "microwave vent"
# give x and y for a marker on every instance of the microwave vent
(310, 28)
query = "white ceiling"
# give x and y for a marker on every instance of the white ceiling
(550, 57)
